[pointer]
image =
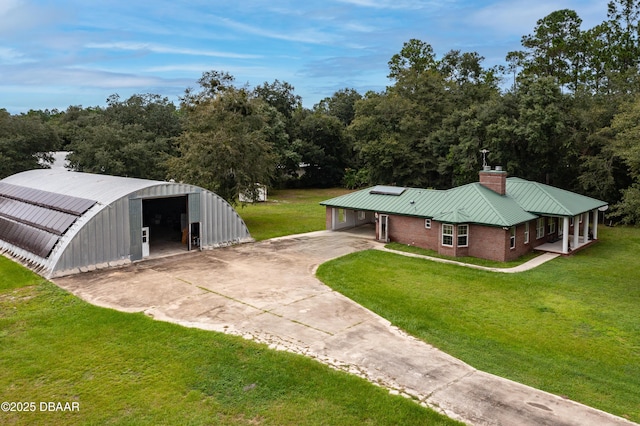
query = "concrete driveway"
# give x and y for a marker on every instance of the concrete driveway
(267, 292)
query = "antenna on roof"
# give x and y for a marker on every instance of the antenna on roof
(484, 157)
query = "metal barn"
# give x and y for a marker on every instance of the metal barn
(60, 222)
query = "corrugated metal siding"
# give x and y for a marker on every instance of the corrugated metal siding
(194, 207)
(221, 224)
(135, 227)
(103, 234)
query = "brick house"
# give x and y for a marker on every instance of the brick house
(497, 218)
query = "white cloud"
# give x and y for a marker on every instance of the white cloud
(18, 17)
(9, 56)
(396, 4)
(308, 35)
(519, 17)
(155, 48)
(7, 6)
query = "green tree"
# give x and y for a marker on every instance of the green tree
(555, 49)
(324, 150)
(279, 95)
(134, 137)
(225, 145)
(626, 128)
(25, 142)
(284, 102)
(415, 57)
(340, 105)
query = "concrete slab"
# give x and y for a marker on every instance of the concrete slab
(267, 292)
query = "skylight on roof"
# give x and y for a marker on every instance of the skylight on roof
(387, 190)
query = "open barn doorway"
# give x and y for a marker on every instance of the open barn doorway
(167, 223)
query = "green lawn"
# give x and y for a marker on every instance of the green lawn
(129, 369)
(287, 212)
(570, 327)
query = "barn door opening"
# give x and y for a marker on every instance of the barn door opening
(166, 219)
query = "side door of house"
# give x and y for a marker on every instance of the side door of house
(384, 228)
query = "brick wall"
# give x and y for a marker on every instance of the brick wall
(411, 231)
(486, 242)
(495, 180)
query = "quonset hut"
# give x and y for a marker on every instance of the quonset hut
(60, 222)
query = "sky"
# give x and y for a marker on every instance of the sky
(60, 53)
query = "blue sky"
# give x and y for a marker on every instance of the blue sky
(57, 53)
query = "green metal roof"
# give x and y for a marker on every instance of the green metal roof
(472, 203)
(544, 199)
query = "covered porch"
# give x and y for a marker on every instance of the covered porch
(574, 233)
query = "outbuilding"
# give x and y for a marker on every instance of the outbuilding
(59, 222)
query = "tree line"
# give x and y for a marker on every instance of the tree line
(565, 111)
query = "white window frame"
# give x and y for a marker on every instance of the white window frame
(427, 224)
(464, 235)
(342, 215)
(552, 226)
(540, 228)
(362, 215)
(512, 238)
(449, 235)
(526, 233)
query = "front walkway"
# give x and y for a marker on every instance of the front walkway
(268, 292)
(536, 261)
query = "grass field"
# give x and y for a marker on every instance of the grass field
(129, 369)
(287, 212)
(570, 327)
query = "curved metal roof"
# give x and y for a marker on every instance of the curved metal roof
(104, 189)
(38, 207)
(43, 211)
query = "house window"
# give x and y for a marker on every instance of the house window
(560, 227)
(552, 226)
(427, 223)
(540, 228)
(463, 235)
(342, 215)
(361, 215)
(512, 238)
(526, 233)
(447, 235)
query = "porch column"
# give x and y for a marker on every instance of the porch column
(576, 231)
(565, 234)
(595, 224)
(585, 229)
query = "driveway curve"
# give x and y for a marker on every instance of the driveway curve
(267, 292)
